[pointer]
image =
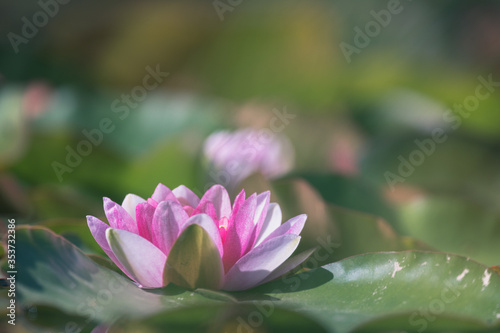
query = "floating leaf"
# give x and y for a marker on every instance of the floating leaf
(223, 318)
(454, 225)
(57, 274)
(76, 231)
(353, 193)
(362, 233)
(387, 291)
(412, 291)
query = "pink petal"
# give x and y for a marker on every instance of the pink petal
(140, 257)
(292, 226)
(167, 222)
(185, 196)
(238, 201)
(189, 210)
(261, 208)
(239, 232)
(118, 217)
(145, 213)
(207, 223)
(217, 194)
(271, 222)
(162, 193)
(288, 265)
(260, 262)
(206, 207)
(130, 202)
(98, 230)
(260, 215)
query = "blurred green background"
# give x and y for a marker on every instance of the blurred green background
(360, 82)
(373, 93)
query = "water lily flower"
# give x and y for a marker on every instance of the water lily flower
(236, 155)
(175, 236)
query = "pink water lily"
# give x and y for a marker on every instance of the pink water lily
(236, 155)
(175, 236)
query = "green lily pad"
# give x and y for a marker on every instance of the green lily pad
(353, 193)
(412, 291)
(454, 225)
(54, 267)
(57, 274)
(397, 290)
(76, 231)
(363, 233)
(222, 318)
(64, 287)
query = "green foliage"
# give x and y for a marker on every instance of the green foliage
(368, 291)
(454, 225)
(353, 121)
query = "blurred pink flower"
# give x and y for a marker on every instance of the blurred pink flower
(36, 99)
(252, 245)
(236, 155)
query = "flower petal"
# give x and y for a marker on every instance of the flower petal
(130, 203)
(239, 232)
(207, 223)
(217, 194)
(205, 207)
(139, 256)
(292, 226)
(271, 222)
(162, 193)
(185, 196)
(145, 213)
(118, 217)
(167, 222)
(260, 215)
(260, 262)
(261, 208)
(194, 261)
(238, 201)
(288, 265)
(98, 230)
